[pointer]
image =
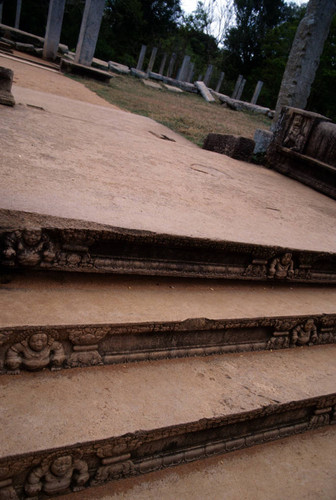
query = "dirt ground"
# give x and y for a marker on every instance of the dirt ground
(32, 75)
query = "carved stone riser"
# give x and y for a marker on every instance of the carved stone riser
(90, 345)
(110, 251)
(94, 463)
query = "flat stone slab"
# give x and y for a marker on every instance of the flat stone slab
(171, 88)
(156, 185)
(88, 71)
(153, 319)
(48, 243)
(120, 421)
(264, 469)
(153, 85)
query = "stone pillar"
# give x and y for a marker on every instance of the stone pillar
(89, 31)
(18, 14)
(305, 55)
(182, 73)
(240, 90)
(53, 29)
(257, 92)
(220, 81)
(6, 80)
(207, 76)
(190, 72)
(236, 89)
(171, 65)
(152, 59)
(163, 63)
(141, 57)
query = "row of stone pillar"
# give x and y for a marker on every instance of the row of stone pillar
(186, 73)
(88, 35)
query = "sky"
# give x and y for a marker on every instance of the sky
(190, 5)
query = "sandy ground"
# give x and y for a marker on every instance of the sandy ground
(33, 76)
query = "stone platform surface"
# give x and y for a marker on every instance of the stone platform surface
(48, 410)
(299, 467)
(78, 160)
(63, 299)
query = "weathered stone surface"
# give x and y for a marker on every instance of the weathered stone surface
(21, 36)
(242, 105)
(154, 185)
(243, 318)
(240, 148)
(204, 91)
(53, 29)
(262, 139)
(155, 76)
(305, 55)
(264, 469)
(6, 80)
(138, 73)
(118, 68)
(88, 71)
(153, 415)
(304, 148)
(171, 88)
(153, 85)
(88, 35)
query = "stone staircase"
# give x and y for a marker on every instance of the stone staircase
(234, 340)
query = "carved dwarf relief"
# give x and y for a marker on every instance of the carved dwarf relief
(282, 267)
(35, 353)
(28, 248)
(56, 476)
(305, 333)
(296, 136)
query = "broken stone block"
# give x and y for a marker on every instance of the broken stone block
(153, 85)
(262, 139)
(25, 47)
(235, 146)
(6, 80)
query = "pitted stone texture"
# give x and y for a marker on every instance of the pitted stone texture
(6, 80)
(240, 148)
(305, 55)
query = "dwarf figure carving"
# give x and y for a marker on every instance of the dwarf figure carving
(36, 353)
(305, 333)
(55, 478)
(295, 139)
(282, 267)
(28, 248)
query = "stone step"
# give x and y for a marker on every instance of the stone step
(182, 210)
(103, 319)
(298, 467)
(93, 426)
(43, 242)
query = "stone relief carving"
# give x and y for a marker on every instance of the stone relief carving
(7, 491)
(257, 268)
(281, 267)
(56, 475)
(35, 353)
(278, 342)
(296, 136)
(304, 334)
(28, 248)
(86, 347)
